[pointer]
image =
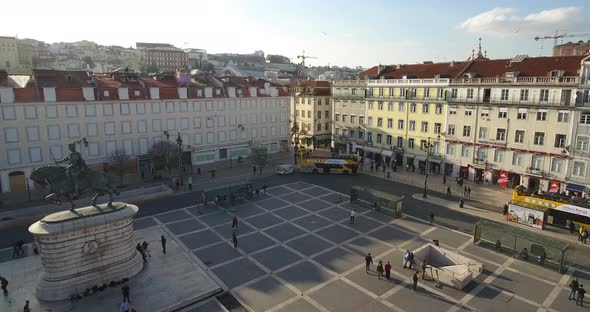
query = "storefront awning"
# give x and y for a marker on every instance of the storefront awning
(387, 153)
(372, 149)
(323, 136)
(575, 187)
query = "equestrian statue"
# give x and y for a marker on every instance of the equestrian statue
(67, 183)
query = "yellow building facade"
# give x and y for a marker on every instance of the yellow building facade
(405, 121)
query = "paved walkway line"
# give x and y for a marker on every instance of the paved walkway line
(557, 289)
(485, 283)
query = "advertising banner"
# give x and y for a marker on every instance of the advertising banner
(525, 216)
(554, 186)
(503, 179)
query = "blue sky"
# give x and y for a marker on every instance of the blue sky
(347, 33)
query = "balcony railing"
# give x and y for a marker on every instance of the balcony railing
(409, 82)
(349, 83)
(499, 100)
(568, 80)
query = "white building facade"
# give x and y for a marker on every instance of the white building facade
(213, 125)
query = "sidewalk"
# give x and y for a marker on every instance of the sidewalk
(487, 194)
(223, 172)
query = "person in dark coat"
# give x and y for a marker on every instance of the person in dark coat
(574, 289)
(368, 262)
(415, 281)
(380, 269)
(163, 239)
(4, 283)
(581, 293)
(125, 291)
(140, 249)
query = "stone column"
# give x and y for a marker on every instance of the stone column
(89, 247)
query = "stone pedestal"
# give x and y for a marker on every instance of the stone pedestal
(89, 247)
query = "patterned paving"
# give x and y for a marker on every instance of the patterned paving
(298, 252)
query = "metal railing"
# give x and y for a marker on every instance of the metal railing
(569, 80)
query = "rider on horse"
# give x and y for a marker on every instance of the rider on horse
(76, 166)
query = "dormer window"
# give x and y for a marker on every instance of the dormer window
(239, 91)
(137, 92)
(556, 73)
(217, 91)
(199, 92)
(68, 78)
(106, 93)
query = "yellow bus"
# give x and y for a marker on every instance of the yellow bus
(328, 165)
(556, 209)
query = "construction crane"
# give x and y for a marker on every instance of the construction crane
(560, 36)
(303, 57)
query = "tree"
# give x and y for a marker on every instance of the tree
(88, 60)
(277, 59)
(118, 164)
(150, 69)
(164, 155)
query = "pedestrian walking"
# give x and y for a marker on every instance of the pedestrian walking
(253, 170)
(431, 217)
(4, 283)
(380, 269)
(465, 191)
(368, 262)
(387, 270)
(505, 212)
(257, 193)
(415, 281)
(372, 166)
(580, 232)
(26, 308)
(573, 289)
(424, 266)
(234, 238)
(163, 240)
(144, 246)
(125, 292)
(234, 223)
(264, 188)
(444, 179)
(140, 249)
(448, 192)
(469, 191)
(352, 215)
(190, 183)
(584, 236)
(581, 293)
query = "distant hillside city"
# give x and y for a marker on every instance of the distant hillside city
(20, 56)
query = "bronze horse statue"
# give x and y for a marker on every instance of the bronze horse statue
(62, 188)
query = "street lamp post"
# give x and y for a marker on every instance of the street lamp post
(295, 135)
(167, 157)
(179, 143)
(429, 145)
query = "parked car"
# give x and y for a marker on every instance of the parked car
(285, 169)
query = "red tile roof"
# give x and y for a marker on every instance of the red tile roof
(534, 66)
(425, 71)
(311, 84)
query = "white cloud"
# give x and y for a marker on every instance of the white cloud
(503, 22)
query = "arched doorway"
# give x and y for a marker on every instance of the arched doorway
(17, 181)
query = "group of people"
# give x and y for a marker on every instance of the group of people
(577, 289)
(384, 270)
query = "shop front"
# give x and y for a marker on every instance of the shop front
(202, 157)
(576, 190)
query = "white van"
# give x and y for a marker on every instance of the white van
(285, 169)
